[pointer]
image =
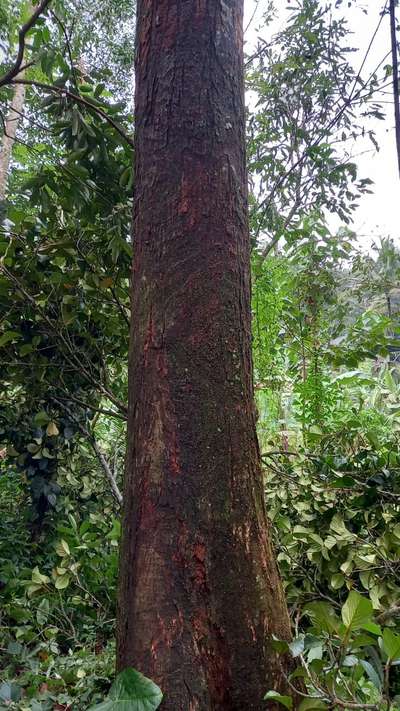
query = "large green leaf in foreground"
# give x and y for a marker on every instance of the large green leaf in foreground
(131, 691)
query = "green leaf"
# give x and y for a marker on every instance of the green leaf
(323, 615)
(9, 336)
(279, 645)
(125, 177)
(338, 525)
(43, 611)
(62, 582)
(25, 349)
(62, 549)
(337, 581)
(371, 673)
(131, 691)
(41, 418)
(14, 648)
(391, 644)
(32, 447)
(372, 627)
(286, 701)
(38, 578)
(10, 692)
(356, 611)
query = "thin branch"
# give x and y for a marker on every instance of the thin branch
(103, 461)
(353, 96)
(274, 241)
(121, 307)
(395, 63)
(100, 410)
(252, 17)
(78, 99)
(16, 68)
(68, 45)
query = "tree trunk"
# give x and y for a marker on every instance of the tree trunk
(200, 595)
(8, 139)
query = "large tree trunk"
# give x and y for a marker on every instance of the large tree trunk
(200, 595)
(7, 142)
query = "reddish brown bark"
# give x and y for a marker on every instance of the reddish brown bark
(200, 595)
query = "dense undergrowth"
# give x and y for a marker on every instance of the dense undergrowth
(325, 347)
(332, 481)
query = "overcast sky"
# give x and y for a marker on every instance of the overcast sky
(378, 214)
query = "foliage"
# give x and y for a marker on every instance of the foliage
(306, 97)
(332, 456)
(325, 341)
(344, 659)
(65, 270)
(131, 691)
(58, 594)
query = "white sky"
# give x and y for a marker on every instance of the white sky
(379, 213)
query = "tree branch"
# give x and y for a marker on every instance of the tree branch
(78, 99)
(16, 68)
(100, 410)
(395, 64)
(100, 456)
(68, 46)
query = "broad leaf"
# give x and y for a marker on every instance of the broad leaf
(391, 644)
(322, 615)
(9, 692)
(356, 611)
(275, 696)
(131, 691)
(371, 673)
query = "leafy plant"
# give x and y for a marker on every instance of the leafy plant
(131, 691)
(345, 661)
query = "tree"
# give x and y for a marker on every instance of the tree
(61, 223)
(10, 129)
(309, 106)
(195, 529)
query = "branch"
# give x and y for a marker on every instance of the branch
(347, 102)
(252, 17)
(15, 69)
(274, 241)
(107, 470)
(100, 410)
(68, 46)
(395, 63)
(80, 100)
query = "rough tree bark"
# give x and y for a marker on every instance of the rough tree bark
(200, 594)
